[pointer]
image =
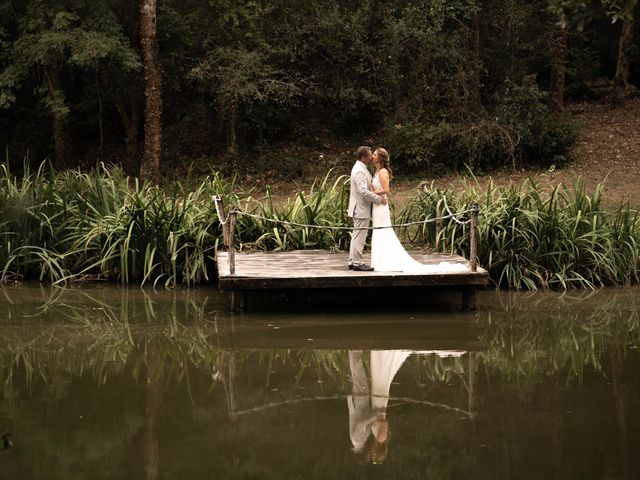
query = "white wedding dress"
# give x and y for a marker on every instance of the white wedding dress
(388, 254)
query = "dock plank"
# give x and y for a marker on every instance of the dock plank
(327, 269)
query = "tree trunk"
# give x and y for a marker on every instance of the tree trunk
(621, 80)
(558, 64)
(132, 131)
(59, 117)
(150, 166)
(474, 101)
(155, 393)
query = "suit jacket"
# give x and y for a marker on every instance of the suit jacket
(360, 197)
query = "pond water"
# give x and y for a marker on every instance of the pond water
(130, 384)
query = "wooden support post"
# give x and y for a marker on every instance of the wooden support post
(232, 233)
(438, 227)
(473, 255)
(469, 298)
(238, 301)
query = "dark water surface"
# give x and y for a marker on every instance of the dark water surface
(132, 384)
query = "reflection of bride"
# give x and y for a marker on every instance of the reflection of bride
(387, 253)
(368, 426)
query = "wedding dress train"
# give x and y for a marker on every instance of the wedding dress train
(388, 254)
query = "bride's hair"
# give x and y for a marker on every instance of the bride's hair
(384, 158)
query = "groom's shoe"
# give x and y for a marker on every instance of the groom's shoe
(350, 266)
(361, 267)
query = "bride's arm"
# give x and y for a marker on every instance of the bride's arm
(383, 175)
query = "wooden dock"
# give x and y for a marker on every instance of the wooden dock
(322, 269)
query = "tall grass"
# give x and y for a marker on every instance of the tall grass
(65, 226)
(325, 205)
(528, 238)
(70, 225)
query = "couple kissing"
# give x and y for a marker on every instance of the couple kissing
(368, 204)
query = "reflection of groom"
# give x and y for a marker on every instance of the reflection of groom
(368, 426)
(360, 200)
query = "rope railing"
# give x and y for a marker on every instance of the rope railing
(224, 219)
(399, 400)
(334, 227)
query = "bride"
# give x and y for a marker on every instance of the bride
(387, 253)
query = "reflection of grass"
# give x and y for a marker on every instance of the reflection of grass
(528, 344)
(81, 333)
(77, 331)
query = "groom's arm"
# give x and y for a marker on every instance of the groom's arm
(362, 185)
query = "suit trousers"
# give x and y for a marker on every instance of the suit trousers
(358, 239)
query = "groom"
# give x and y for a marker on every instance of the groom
(360, 200)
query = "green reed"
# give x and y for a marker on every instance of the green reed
(61, 226)
(528, 238)
(325, 205)
(70, 226)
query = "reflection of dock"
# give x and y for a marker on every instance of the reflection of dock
(228, 374)
(415, 335)
(321, 269)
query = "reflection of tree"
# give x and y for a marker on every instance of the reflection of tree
(618, 388)
(63, 338)
(227, 374)
(155, 383)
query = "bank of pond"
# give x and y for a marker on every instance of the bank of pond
(70, 226)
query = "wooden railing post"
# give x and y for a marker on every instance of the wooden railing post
(232, 233)
(228, 229)
(222, 216)
(473, 254)
(437, 242)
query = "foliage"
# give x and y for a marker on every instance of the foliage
(541, 138)
(523, 133)
(324, 205)
(242, 75)
(71, 225)
(530, 239)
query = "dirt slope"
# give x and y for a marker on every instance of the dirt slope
(607, 150)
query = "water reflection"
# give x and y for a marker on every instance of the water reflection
(135, 384)
(369, 429)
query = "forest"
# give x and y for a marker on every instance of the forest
(165, 87)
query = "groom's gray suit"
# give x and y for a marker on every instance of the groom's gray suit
(360, 201)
